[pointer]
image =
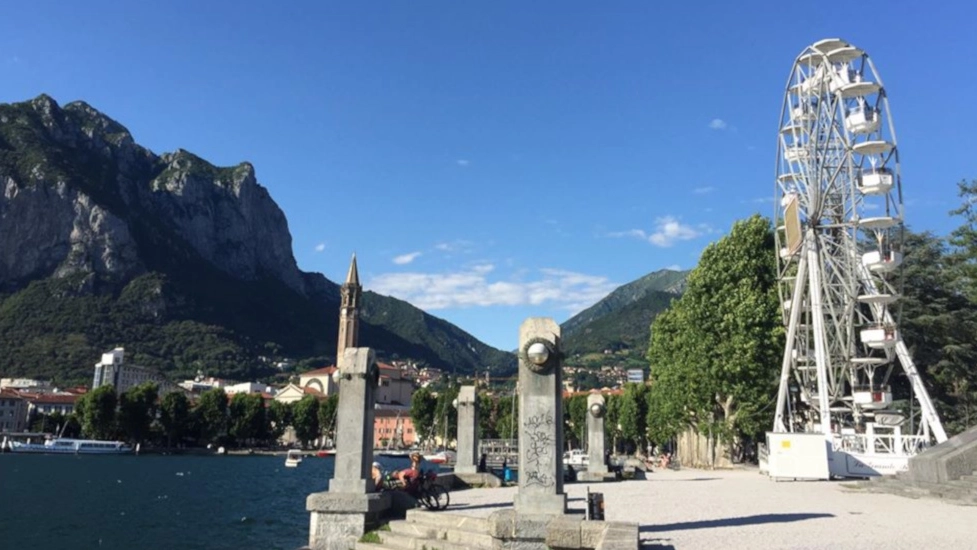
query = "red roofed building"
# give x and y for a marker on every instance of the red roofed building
(320, 380)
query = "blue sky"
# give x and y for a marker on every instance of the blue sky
(490, 162)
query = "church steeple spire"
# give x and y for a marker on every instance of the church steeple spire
(353, 277)
(349, 311)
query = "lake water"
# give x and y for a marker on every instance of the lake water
(157, 502)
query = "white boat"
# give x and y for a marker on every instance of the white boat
(293, 458)
(60, 445)
(446, 457)
(577, 458)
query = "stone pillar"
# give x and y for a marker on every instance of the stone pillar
(467, 459)
(342, 515)
(540, 419)
(595, 434)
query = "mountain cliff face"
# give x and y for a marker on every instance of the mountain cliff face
(621, 320)
(104, 243)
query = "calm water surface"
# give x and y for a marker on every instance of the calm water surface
(156, 502)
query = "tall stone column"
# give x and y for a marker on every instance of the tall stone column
(467, 404)
(596, 467)
(595, 434)
(343, 514)
(540, 419)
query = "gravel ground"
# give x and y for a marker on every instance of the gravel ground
(692, 509)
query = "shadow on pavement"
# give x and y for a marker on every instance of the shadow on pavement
(477, 506)
(656, 544)
(731, 522)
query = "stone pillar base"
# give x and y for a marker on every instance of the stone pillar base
(595, 477)
(536, 503)
(338, 520)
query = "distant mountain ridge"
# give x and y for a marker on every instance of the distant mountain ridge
(188, 265)
(622, 319)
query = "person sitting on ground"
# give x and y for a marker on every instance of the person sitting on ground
(377, 476)
(408, 475)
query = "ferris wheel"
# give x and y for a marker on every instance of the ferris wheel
(839, 252)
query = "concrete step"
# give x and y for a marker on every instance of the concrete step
(450, 530)
(398, 541)
(442, 521)
(410, 528)
(371, 546)
(964, 483)
(969, 478)
(438, 544)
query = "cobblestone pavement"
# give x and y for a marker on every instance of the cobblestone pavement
(693, 509)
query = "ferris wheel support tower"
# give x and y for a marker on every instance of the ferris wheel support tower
(839, 252)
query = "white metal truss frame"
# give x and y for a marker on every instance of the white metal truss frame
(836, 126)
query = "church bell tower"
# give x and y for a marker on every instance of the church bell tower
(349, 311)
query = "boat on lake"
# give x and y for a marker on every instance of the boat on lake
(446, 457)
(293, 458)
(61, 445)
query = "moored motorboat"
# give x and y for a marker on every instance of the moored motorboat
(293, 458)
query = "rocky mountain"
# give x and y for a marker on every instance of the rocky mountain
(620, 322)
(187, 265)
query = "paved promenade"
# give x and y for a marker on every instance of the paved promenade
(741, 509)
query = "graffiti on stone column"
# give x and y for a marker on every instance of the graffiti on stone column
(540, 450)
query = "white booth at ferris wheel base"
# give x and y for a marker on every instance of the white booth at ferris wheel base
(881, 450)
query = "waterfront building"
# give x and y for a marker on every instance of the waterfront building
(49, 403)
(112, 370)
(13, 412)
(20, 383)
(393, 429)
(250, 387)
(320, 380)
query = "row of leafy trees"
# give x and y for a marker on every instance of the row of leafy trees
(139, 415)
(715, 354)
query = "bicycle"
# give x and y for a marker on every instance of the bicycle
(425, 489)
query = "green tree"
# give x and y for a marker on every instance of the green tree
(210, 414)
(96, 410)
(422, 408)
(305, 419)
(137, 410)
(327, 415)
(716, 352)
(939, 322)
(174, 416)
(279, 418)
(633, 415)
(445, 414)
(575, 413)
(487, 417)
(248, 422)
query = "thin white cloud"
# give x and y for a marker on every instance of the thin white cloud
(668, 231)
(703, 190)
(457, 245)
(674, 267)
(463, 162)
(475, 287)
(320, 247)
(717, 124)
(405, 259)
